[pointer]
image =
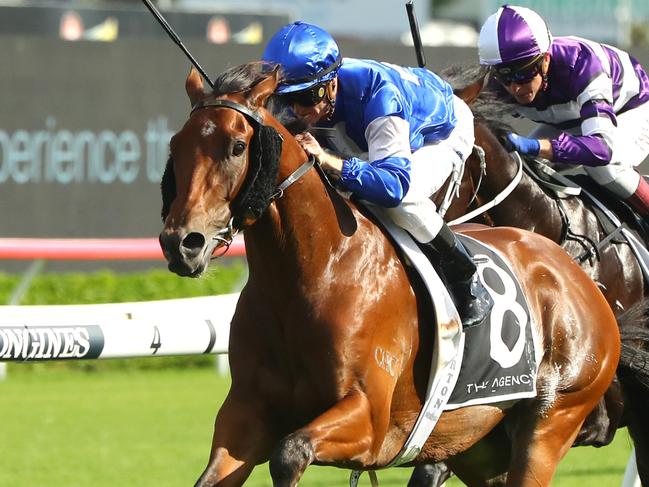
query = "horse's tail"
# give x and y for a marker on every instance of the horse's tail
(633, 373)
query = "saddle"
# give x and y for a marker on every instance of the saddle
(619, 222)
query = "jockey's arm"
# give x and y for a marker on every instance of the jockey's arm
(383, 180)
(594, 146)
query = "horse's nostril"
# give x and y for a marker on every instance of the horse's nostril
(168, 242)
(193, 241)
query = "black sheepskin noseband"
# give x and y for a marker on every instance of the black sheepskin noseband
(168, 188)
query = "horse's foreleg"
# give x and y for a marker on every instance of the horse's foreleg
(241, 440)
(430, 475)
(342, 434)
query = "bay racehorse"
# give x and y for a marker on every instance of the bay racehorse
(573, 224)
(568, 221)
(326, 289)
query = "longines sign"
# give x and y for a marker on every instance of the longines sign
(53, 343)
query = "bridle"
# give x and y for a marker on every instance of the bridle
(253, 117)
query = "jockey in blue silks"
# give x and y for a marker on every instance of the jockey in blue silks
(589, 100)
(414, 129)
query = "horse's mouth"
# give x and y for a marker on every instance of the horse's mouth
(195, 266)
(186, 269)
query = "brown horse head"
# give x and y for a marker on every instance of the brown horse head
(227, 179)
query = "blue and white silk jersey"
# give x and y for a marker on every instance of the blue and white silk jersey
(389, 111)
(588, 85)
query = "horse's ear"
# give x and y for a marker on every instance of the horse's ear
(194, 86)
(261, 91)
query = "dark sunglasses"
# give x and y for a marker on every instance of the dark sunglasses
(306, 98)
(519, 74)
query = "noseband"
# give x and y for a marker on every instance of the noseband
(244, 207)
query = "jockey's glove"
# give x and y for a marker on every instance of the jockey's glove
(523, 145)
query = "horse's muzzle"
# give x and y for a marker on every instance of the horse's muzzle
(185, 254)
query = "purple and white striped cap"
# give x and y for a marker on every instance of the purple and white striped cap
(511, 34)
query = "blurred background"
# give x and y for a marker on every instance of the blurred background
(92, 90)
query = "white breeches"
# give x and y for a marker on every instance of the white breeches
(432, 164)
(630, 148)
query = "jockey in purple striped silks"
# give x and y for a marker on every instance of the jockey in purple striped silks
(589, 100)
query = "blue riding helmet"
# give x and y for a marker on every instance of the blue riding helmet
(308, 56)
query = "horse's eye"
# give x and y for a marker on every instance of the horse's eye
(238, 148)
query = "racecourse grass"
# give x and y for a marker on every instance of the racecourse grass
(111, 287)
(148, 422)
(152, 428)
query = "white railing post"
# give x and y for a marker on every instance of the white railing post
(631, 478)
(19, 293)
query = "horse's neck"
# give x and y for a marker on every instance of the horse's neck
(528, 206)
(299, 236)
(531, 208)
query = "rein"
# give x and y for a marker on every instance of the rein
(500, 197)
(225, 236)
(453, 190)
(295, 175)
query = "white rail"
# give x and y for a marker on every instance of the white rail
(99, 331)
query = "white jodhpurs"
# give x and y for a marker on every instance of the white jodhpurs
(432, 164)
(630, 148)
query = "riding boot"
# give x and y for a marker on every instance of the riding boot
(458, 271)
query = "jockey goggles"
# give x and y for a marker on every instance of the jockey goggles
(306, 98)
(517, 73)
